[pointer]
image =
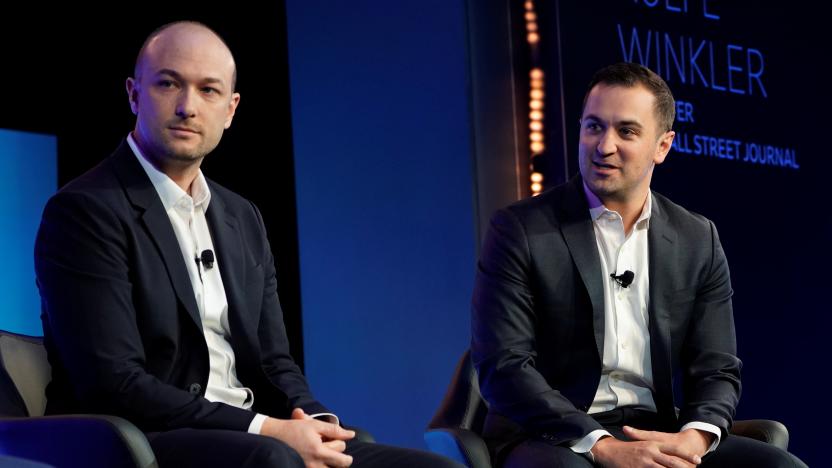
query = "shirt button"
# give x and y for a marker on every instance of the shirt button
(623, 345)
(195, 389)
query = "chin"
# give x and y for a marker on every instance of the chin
(600, 189)
(183, 154)
(186, 157)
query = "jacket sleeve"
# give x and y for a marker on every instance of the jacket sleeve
(276, 360)
(710, 367)
(504, 339)
(81, 261)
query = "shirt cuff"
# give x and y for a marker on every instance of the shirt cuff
(703, 426)
(257, 423)
(584, 445)
(327, 417)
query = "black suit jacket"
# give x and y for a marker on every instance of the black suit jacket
(538, 319)
(121, 324)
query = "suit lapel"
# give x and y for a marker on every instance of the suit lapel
(579, 234)
(225, 235)
(662, 245)
(142, 195)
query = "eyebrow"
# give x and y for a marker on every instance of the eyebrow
(620, 123)
(178, 76)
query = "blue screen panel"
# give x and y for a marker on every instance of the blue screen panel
(28, 177)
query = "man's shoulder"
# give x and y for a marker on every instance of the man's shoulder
(98, 186)
(233, 202)
(677, 215)
(101, 180)
(552, 206)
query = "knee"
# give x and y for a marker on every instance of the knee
(777, 458)
(273, 453)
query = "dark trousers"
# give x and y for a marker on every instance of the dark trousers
(732, 451)
(202, 448)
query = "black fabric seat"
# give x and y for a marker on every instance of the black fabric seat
(63, 441)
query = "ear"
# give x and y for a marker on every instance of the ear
(232, 108)
(663, 147)
(133, 94)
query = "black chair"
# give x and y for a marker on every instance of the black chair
(456, 428)
(61, 441)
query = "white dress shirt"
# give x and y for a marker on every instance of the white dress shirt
(187, 216)
(627, 373)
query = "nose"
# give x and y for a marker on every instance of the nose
(607, 144)
(186, 104)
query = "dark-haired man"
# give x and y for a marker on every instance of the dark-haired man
(591, 297)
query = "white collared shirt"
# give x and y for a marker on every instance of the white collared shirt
(627, 373)
(187, 216)
(626, 376)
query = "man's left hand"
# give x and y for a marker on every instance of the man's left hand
(693, 440)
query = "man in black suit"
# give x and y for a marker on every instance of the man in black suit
(159, 292)
(593, 296)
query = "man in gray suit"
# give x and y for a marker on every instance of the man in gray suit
(591, 297)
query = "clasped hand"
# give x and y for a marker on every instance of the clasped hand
(653, 449)
(320, 444)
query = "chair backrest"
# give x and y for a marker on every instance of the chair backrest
(24, 373)
(463, 406)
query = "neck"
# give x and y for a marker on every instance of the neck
(629, 209)
(181, 172)
(183, 176)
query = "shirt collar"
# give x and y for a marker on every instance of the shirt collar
(171, 194)
(597, 208)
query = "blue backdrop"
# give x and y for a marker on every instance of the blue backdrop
(28, 177)
(384, 201)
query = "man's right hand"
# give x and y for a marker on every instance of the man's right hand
(307, 437)
(612, 452)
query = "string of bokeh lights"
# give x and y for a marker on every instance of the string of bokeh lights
(536, 95)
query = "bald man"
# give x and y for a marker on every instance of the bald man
(159, 292)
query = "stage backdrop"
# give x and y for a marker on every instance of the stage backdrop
(747, 154)
(384, 203)
(28, 176)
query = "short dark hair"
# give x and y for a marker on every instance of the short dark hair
(629, 74)
(164, 27)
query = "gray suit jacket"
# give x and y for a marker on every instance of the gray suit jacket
(538, 319)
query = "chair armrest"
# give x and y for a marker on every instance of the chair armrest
(95, 440)
(460, 445)
(764, 430)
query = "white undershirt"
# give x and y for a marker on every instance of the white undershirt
(627, 373)
(187, 216)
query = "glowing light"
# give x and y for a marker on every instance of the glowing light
(536, 95)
